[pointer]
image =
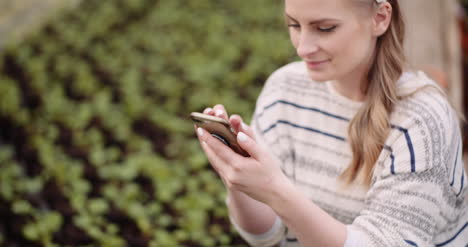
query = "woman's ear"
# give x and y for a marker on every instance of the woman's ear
(382, 18)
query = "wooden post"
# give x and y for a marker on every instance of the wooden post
(20, 17)
(433, 43)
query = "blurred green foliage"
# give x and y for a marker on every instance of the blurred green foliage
(95, 144)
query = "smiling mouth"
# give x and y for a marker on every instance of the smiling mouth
(315, 64)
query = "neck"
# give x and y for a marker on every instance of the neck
(352, 87)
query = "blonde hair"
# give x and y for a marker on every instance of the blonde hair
(370, 127)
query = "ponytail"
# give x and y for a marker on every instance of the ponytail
(370, 127)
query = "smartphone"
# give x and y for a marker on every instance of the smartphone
(220, 129)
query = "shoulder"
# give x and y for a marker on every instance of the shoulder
(418, 88)
(422, 104)
(424, 127)
(281, 79)
(296, 68)
(292, 71)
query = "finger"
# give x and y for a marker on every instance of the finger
(221, 150)
(212, 157)
(250, 146)
(236, 122)
(220, 111)
(239, 126)
(214, 160)
(208, 111)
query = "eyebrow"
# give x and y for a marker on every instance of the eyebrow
(314, 21)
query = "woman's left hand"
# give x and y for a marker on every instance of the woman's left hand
(258, 176)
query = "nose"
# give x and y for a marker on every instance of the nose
(307, 45)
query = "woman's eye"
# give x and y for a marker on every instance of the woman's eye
(295, 26)
(326, 29)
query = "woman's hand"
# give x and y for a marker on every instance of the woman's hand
(258, 176)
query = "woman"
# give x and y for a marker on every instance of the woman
(347, 147)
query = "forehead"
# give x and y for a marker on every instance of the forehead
(309, 10)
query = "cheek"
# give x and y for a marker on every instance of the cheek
(350, 45)
(335, 45)
(361, 47)
(294, 37)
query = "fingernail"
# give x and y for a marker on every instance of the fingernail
(242, 137)
(244, 126)
(200, 132)
(219, 112)
(209, 110)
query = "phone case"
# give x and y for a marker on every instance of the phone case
(220, 129)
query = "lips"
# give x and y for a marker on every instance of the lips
(316, 64)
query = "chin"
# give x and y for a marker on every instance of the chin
(319, 76)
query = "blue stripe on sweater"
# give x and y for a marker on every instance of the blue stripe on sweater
(392, 157)
(304, 128)
(284, 102)
(455, 165)
(461, 187)
(388, 148)
(410, 146)
(411, 243)
(452, 238)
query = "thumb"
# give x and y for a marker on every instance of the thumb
(250, 146)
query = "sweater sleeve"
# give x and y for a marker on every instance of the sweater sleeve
(277, 232)
(272, 237)
(354, 238)
(412, 198)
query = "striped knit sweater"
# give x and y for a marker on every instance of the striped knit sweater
(418, 195)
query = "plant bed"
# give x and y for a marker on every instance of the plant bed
(96, 147)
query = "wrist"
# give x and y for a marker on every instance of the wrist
(283, 191)
(235, 195)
